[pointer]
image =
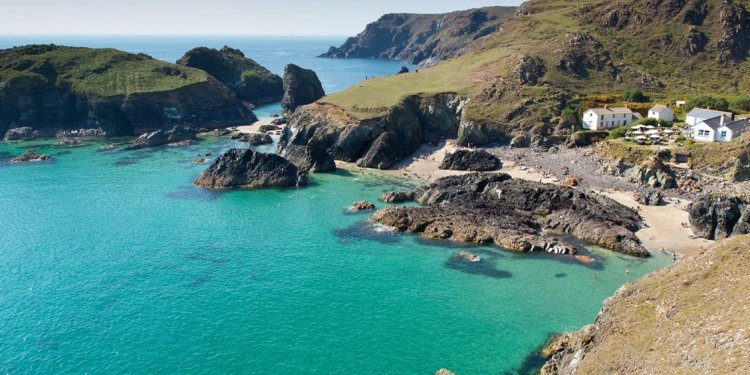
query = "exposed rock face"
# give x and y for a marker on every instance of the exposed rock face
(397, 196)
(46, 93)
(616, 168)
(686, 319)
(655, 174)
(249, 169)
(422, 38)
(160, 137)
(717, 217)
(515, 214)
(260, 139)
(301, 87)
(320, 133)
(249, 80)
(20, 134)
(477, 161)
(531, 70)
(30, 156)
(650, 198)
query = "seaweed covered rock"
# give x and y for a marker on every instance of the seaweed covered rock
(466, 160)
(246, 168)
(179, 133)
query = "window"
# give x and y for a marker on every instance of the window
(724, 134)
(703, 133)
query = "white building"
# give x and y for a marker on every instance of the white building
(607, 118)
(661, 112)
(698, 115)
(719, 129)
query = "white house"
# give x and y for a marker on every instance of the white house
(719, 129)
(698, 115)
(661, 112)
(607, 118)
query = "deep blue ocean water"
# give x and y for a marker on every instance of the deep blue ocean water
(113, 262)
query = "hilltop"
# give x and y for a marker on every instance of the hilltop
(553, 55)
(690, 318)
(422, 38)
(52, 88)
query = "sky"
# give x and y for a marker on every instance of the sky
(210, 17)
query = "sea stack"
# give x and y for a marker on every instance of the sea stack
(301, 87)
(245, 168)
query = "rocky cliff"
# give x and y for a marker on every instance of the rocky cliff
(720, 216)
(422, 38)
(250, 81)
(515, 214)
(301, 87)
(319, 133)
(50, 88)
(690, 318)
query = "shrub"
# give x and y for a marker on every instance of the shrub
(635, 95)
(618, 132)
(647, 121)
(680, 138)
(707, 101)
(663, 123)
(741, 103)
(689, 142)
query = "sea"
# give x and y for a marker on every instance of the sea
(112, 261)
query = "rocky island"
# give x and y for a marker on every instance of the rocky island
(249, 169)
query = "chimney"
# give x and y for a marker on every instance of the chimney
(722, 120)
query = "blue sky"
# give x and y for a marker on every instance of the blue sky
(210, 17)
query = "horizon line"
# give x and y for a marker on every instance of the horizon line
(177, 35)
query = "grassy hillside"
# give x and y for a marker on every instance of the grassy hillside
(97, 72)
(560, 53)
(691, 318)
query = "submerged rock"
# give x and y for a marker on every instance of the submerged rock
(249, 169)
(20, 134)
(468, 257)
(362, 206)
(465, 160)
(514, 214)
(301, 87)
(30, 156)
(160, 137)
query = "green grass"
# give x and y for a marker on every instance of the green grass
(98, 72)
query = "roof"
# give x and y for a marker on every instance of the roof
(708, 113)
(637, 115)
(611, 111)
(716, 122)
(737, 125)
(658, 108)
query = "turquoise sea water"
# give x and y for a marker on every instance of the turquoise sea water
(113, 262)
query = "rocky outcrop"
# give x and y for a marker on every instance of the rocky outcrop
(476, 161)
(260, 139)
(689, 318)
(515, 214)
(301, 87)
(249, 169)
(160, 137)
(531, 70)
(422, 38)
(30, 156)
(655, 174)
(319, 133)
(250, 81)
(20, 134)
(52, 89)
(650, 198)
(361, 206)
(717, 217)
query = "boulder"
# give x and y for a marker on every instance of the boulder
(616, 168)
(267, 128)
(362, 206)
(655, 174)
(515, 214)
(199, 160)
(650, 198)
(280, 121)
(520, 141)
(177, 134)
(30, 156)
(301, 87)
(258, 139)
(444, 371)
(20, 134)
(465, 160)
(396, 197)
(245, 168)
(572, 181)
(403, 70)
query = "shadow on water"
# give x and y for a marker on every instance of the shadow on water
(195, 193)
(367, 231)
(532, 363)
(133, 159)
(211, 263)
(484, 267)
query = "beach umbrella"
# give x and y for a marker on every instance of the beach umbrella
(668, 131)
(650, 127)
(655, 136)
(638, 127)
(639, 138)
(637, 132)
(652, 132)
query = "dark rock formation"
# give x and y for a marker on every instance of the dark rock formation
(515, 214)
(422, 38)
(717, 217)
(268, 128)
(531, 70)
(477, 161)
(403, 70)
(396, 196)
(260, 139)
(249, 169)
(30, 156)
(362, 206)
(160, 137)
(52, 89)
(318, 134)
(654, 173)
(301, 87)
(20, 134)
(650, 198)
(249, 80)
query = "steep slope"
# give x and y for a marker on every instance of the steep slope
(249, 80)
(556, 54)
(52, 88)
(691, 318)
(422, 38)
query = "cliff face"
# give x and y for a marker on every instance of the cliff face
(422, 38)
(691, 318)
(249, 80)
(51, 88)
(301, 87)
